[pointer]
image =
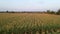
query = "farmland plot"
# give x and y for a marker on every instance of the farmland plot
(29, 23)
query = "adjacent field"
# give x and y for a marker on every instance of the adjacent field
(29, 23)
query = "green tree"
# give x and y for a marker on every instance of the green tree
(48, 11)
(52, 12)
(58, 12)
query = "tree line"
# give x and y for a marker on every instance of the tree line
(48, 12)
(53, 12)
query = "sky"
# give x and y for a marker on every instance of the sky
(29, 5)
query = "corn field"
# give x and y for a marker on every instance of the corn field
(29, 23)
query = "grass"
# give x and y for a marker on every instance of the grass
(29, 23)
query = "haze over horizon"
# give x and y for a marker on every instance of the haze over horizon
(29, 5)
